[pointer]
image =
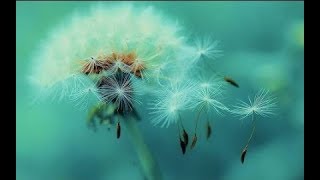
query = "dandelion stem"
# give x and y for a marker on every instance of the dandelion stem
(148, 163)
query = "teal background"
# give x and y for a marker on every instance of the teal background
(263, 47)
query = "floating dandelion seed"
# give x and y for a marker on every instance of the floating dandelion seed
(182, 145)
(263, 105)
(170, 101)
(206, 48)
(211, 83)
(231, 81)
(194, 141)
(158, 72)
(167, 108)
(206, 99)
(208, 129)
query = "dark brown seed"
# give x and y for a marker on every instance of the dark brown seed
(194, 141)
(183, 146)
(208, 130)
(185, 137)
(118, 130)
(243, 155)
(231, 81)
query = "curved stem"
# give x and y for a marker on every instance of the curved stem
(147, 161)
(253, 130)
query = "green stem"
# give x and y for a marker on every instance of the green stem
(147, 161)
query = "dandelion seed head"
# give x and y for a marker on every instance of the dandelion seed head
(84, 41)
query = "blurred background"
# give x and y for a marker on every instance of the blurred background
(263, 44)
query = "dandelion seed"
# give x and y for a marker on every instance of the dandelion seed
(243, 155)
(183, 146)
(206, 48)
(117, 89)
(206, 82)
(245, 149)
(208, 130)
(231, 81)
(158, 72)
(92, 65)
(185, 137)
(194, 141)
(262, 105)
(137, 68)
(118, 65)
(207, 99)
(85, 94)
(170, 101)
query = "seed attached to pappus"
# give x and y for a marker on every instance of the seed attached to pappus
(185, 137)
(209, 130)
(183, 146)
(194, 141)
(243, 154)
(231, 81)
(92, 66)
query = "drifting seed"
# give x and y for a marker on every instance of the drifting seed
(183, 146)
(209, 130)
(194, 141)
(185, 137)
(243, 154)
(231, 81)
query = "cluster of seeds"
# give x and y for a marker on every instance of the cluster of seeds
(116, 61)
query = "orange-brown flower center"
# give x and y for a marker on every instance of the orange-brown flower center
(97, 65)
